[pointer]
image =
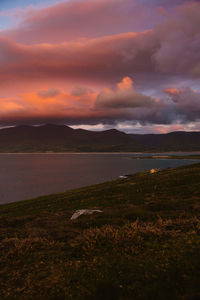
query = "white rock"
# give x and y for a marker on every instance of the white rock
(80, 212)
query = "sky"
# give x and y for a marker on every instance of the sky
(133, 65)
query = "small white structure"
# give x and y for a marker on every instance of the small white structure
(80, 212)
(123, 176)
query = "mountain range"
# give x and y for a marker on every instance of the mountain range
(61, 138)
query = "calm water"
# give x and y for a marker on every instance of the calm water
(24, 176)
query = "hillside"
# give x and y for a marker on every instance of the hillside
(61, 138)
(58, 138)
(173, 141)
(145, 244)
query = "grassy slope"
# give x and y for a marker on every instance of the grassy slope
(145, 244)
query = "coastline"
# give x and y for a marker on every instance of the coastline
(120, 176)
(49, 153)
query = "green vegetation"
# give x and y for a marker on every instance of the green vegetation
(145, 244)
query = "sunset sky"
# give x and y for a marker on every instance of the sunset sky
(133, 65)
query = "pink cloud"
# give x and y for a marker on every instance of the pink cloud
(187, 101)
(171, 91)
(171, 49)
(109, 106)
(102, 59)
(155, 52)
(70, 20)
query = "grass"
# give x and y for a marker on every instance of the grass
(145, 244)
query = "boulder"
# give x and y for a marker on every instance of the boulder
(80, 212)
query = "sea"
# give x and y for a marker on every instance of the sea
(25, 176)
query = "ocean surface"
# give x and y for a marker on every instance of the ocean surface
(25, 176)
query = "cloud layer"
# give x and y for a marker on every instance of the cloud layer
(155, 52)
(63, 63)
(125, 96)
(109, 106)
(70, 20)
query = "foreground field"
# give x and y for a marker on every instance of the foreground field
(145, 244)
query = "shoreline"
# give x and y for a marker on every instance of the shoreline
(78, 153)
(79, 188)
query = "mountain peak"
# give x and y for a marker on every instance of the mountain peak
(114, 131)
(55, 126)
(61, 138)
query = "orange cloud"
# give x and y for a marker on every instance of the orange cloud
(80, 104)
(10, 106)
(171, 91)
(109, 106)
(125, 84)
(166, 129)
(48, 104)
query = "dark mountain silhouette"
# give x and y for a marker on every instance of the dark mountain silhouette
(173, 141)
(60, 138)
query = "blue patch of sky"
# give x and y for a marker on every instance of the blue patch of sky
(9, 4)
(7, 21)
